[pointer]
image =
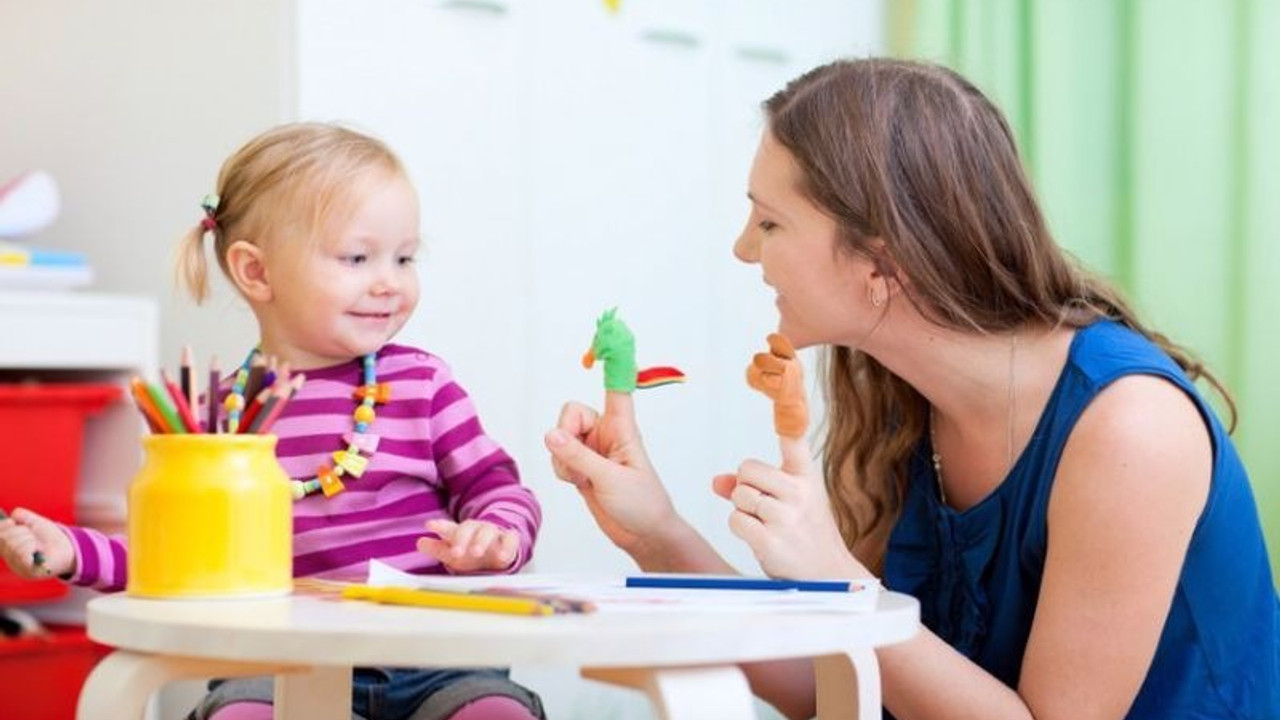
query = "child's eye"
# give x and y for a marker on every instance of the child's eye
(406, 260)
(767, 225)
(353, 259)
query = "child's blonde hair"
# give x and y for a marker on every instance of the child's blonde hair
(294, 179)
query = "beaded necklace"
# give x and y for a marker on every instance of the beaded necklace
(360, 443)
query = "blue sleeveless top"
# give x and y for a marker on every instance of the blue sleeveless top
(977, 572)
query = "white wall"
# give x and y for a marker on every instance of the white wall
(132, 105)
(568, 159)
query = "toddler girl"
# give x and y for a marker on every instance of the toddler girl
(317, 227)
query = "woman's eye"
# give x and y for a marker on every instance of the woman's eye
(767, 225)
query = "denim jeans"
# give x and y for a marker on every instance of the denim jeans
(388, 693)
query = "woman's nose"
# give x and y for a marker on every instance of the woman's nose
(746, 248)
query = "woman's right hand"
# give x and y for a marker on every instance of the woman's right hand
(604, 458)
(23, 534)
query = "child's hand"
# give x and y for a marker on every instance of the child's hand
(471, 546)
(23, 535)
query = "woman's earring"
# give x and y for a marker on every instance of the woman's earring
(876, 298)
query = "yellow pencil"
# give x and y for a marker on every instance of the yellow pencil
(446, 600)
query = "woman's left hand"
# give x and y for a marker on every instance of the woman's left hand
(471, 546)
(784, 516)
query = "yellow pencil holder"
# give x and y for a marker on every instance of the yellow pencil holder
(210, 516)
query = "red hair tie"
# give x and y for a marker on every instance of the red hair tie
(210, 205)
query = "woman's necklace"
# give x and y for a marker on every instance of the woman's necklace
(360, 443)
(1011, 405)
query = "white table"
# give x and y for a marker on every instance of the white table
(685, 662)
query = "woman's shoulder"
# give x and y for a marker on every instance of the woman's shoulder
(1137, 386)
(1107, 348)
(1143, 435)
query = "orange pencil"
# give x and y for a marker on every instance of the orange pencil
(145, 405)
(180, 403)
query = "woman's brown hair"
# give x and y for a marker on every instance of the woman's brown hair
(914, 155)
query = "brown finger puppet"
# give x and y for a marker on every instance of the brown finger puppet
(780, 376)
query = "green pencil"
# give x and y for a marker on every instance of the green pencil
(166, 410)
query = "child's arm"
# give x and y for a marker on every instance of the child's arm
(481, 481)
(79, 555)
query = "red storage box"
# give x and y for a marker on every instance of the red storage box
(40, 677)
(42, 426)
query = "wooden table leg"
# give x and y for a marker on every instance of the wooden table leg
(122, 683)
(686, 693)
(315, 693)
(848, 685)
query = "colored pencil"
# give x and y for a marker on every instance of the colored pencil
(445, 600)
(726, 582)
(186, 379)
(252, 410)
(37, 562)
(257, 370)
(171, 421)
(287, 391)
(269, 377)
(211, 396)
(188, 420)
(148, 408)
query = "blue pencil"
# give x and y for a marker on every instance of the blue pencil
(729, 582)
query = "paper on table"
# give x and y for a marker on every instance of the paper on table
(609, 594)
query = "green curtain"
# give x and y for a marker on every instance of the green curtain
(1152, 131)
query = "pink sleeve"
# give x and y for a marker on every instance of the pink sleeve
(100, 559)
(480, 477)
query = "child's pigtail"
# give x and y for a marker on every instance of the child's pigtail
(192, 267)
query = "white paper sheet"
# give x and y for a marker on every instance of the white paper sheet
(609, 594)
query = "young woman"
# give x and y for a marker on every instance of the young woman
(1005, 440)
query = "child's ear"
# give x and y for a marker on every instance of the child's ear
(248, 271)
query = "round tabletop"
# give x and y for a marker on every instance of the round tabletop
(323, 630)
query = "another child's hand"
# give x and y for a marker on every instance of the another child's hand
(471, 546)
(23, 534)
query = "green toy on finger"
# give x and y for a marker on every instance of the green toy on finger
(615, 347)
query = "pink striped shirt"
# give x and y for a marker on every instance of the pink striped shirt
(433, 461)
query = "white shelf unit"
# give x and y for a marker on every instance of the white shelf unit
(83, 337)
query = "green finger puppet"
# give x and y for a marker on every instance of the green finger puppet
(615, 347)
